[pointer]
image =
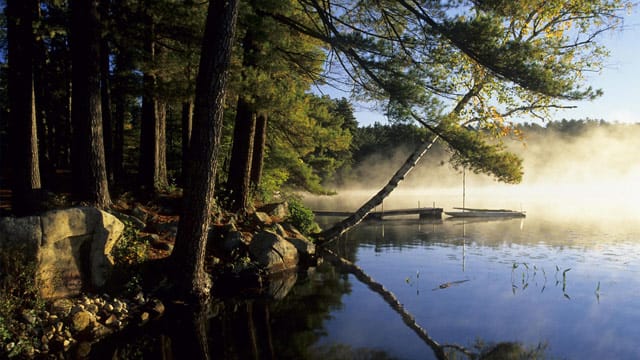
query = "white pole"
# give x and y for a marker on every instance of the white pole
(464, 185)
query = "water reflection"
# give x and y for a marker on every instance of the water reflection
(536, 288)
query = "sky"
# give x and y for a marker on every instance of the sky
(619, 80)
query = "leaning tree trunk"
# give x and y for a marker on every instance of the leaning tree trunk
(25, 174)
(89, 168)
(389, 298)
(353, 220)
(188, 257)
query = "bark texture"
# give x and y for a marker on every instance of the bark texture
(187, 124)
(188, 256)
(238, 182)
(259, 144)
(153, 166)
(240, 167)
(25, 172)
(89, 167)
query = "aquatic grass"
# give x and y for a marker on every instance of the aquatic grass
(527, 276)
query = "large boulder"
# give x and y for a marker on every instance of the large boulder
(272, 252)
(276, 210)
(71, 247)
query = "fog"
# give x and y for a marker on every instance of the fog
(592, 175)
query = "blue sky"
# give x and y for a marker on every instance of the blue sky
(620, 81)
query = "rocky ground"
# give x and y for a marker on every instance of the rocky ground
(74, 324)
(249, 247)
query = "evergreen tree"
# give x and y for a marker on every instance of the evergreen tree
(25, 172)
(189, 253)
(89, 167)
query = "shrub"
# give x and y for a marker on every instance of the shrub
(18, 294)
(130, 249)
(302, 217)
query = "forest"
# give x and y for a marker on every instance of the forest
(221, 102)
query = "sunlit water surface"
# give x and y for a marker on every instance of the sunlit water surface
(571, 287)
(557, 281)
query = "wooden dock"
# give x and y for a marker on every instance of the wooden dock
(423, 213)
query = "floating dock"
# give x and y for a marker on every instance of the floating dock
(423, 213)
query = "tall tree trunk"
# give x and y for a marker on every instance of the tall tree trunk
(89, 168)
(161, 182)
(43, 100)
(238, 181)
(105, 93)
(120, 102)
(187, 124)
(188, 256)
(238, 184)
(259, 145)
(152, 142)
(340, 228)
(25, 173)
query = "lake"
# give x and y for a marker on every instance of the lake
(550, 285)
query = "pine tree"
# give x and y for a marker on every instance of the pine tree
(25, 172)
(89, 167)
(189, 253)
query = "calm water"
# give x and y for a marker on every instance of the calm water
(570, 287)
(573, 288)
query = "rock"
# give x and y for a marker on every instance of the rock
(140, 213)
(71, 247)
(81, 320)
(29, 317)
(276, 210)
(92, 308)
(83, 349)
(144, 317)
(262, 218)
(155, 307)
(292, 230)
(273, 252)
(77, 308)
(139, 298)
(61, 307)
(281, 283)
(306, 249)
(100, 331)
(135, 221)
(156, 243)
(226, 242)
(279, 230)
(111, 320)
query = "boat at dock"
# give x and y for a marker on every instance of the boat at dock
(479, 213)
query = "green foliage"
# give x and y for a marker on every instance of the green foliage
(131, 249)
(18, 293)
(301, 217)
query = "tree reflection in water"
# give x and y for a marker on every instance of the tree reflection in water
(288, 328)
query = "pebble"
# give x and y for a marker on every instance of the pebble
(96, 316)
